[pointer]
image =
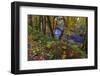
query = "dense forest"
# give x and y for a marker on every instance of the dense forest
(57, 37)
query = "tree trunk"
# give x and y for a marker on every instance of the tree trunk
(44, 24)
(49, 23)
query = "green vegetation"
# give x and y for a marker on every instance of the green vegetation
(42, 44)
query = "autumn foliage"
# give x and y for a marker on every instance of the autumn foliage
(57, 37)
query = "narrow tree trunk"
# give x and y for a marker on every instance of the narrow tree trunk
(40, 23)
(53, 22)
(49, 23)
(44, 24)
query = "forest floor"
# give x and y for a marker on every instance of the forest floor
(41, 47)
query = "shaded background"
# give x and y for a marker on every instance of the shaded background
(5, 37)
